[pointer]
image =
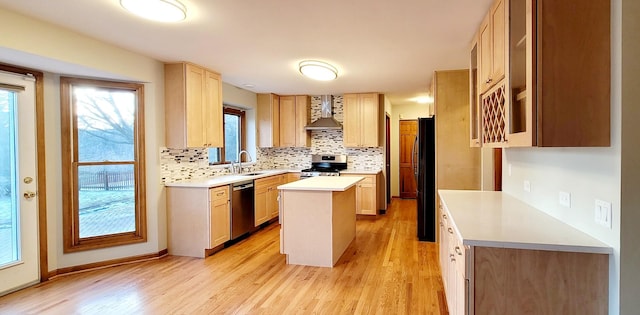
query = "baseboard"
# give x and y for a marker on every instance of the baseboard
(107, 264)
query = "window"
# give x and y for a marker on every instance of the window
(102, 163)
(233, 138)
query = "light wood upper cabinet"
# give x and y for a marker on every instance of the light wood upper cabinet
(295, 114)
(193, 106)
(303, 118)
(287, 119)
(475, 113)
(556, 87)
(268, 120)
(492, 46)
(361, 125)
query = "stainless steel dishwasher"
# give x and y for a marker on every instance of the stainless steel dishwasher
(242, 213)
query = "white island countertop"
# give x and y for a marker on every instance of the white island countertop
(323, 183)
(496, 219)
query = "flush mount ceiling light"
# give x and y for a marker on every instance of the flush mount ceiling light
(318, 70)
(156, 10)
(423, 99)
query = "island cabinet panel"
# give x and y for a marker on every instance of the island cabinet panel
(193, 106)
(197, 220)
(268, 120)
(317, 226)
(266, 198)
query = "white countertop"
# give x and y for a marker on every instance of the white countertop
(496, 219)
(361, 171)
(323, 183)
(225, 179)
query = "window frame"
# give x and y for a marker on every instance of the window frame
(70, 203)
(243, 127)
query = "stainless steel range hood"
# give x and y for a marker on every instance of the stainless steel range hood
(326, 121)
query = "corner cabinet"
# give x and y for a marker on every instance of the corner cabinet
(362, 123)
(193, 106)
(197, 219)
(556, 88)
(268, 120)
(295, 114)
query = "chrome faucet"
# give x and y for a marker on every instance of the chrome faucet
(240, 160)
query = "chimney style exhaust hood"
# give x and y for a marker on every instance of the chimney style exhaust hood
(326, 121)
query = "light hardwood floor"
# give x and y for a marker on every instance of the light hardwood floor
(384, 271)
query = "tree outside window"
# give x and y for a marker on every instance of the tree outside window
(103, 163)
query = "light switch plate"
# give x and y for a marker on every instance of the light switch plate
(509, 169)
(564, 198)
(603, 213)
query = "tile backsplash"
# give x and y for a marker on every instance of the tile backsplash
(192, 163)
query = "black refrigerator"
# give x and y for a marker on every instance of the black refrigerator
(424, 169)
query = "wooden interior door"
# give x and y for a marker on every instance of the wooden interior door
(408, 133)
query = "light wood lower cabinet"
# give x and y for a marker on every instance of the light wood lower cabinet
(266, 197)
(198, 219)
(367, 192)
(498, 280)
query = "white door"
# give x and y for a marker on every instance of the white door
(19, 263)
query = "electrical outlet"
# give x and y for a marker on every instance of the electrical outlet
(603, 213)
(527, 186)
(564, 198)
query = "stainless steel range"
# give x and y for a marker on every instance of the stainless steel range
(325, 165)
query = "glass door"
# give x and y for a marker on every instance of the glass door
(19, 264)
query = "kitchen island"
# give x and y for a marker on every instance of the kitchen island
(318, 219)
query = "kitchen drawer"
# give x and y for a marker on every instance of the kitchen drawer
(219, 195)
(269, 181)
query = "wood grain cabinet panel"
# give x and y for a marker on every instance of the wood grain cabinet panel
(497, 280)
(193, 106)
(361, 120)
(557, 74)
(268, 120)
(198, 219)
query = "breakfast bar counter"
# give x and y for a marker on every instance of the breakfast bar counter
(318, 219)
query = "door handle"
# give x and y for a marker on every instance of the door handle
(29, 195)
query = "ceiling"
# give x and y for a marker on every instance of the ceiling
(384, 46)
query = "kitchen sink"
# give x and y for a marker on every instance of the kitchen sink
(251, 174)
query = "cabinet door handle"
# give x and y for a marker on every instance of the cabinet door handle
(452, 257)
(220, 193)
(444, 216)
(458, 251)
(450, 230)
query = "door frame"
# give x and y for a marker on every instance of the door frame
(388, 157)
(41, 169)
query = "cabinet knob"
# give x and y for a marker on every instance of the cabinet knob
(450, 230)
(458, 251)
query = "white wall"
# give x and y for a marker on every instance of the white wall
(402, 112)
(30, 43)
(586, 173)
